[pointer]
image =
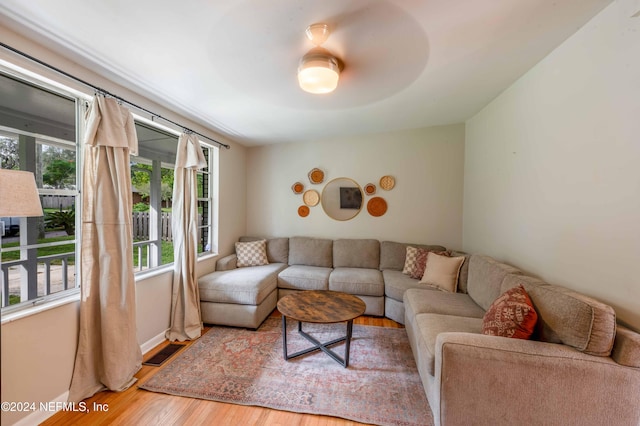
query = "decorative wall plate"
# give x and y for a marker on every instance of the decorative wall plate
(387, 182)
(311, 197)
(303, 211)
(369, 189)
(297, 188)
(316, 176)
(377, 206)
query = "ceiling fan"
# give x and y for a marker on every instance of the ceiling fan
(319, 70)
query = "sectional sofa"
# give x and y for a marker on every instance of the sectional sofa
(579, 367)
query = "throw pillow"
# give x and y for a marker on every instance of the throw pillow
(442, 272)
(410, 260)
(511, 315)
(421, 262)
(252, 253)
(418, 267)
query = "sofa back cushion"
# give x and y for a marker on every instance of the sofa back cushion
(352, 253)
(484, 282)
(392, 254)
(464, 270)
(277, 248)
(311, 251)
(573, 319)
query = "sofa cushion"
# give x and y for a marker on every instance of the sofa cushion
(277, 248)
(626, 349)
(311, 251)
(425, 300)
(430, 325)
(485, 279)
(361, 281)
(245, 286)
(514, 280)
(464, 270)
(442, 272)
(396, 283)
(511, 315)
(571, 318)
(252, 253)
(354, 253)
(392, 254)
(302, 277)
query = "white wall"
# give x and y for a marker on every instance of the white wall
(38, 352)
(425, 205)
(552, 175)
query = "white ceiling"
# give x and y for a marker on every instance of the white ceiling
(231, 65)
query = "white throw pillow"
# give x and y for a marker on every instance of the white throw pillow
(442, 272)
(252, 253)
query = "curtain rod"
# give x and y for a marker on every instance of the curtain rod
(106, 92)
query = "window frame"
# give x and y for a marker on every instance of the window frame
(11, 312)
(82, 100)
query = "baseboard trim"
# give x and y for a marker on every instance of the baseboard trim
(40, 416)
(153, 342)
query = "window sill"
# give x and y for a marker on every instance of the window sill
(75, 297)
(45, 306)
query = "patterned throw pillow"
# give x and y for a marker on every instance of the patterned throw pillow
(511, 315)
(421, 262)
(410, 260)
(252, 253)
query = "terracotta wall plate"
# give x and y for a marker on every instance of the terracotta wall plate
(316, 176)
(303, 211)
(369, 189)
(377, 206)
(297, 188)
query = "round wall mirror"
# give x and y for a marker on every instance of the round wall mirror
(342, 199)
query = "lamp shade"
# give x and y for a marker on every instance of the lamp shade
(19, 194)
(318, 72)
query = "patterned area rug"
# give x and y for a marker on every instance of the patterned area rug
(380, 386)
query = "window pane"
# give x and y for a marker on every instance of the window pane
(38, 134)
(152, 191)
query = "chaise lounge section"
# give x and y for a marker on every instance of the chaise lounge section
(576, 368)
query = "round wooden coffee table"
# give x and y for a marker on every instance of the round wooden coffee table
(324, 307)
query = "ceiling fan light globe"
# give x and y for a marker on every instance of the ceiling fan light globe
(318, 75)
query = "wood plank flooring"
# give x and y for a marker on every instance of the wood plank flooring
(139, 407)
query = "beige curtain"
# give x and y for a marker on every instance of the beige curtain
(186, 321)
(108, 351)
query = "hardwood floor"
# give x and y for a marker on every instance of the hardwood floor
(139, 407)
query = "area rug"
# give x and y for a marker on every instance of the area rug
(380, 386)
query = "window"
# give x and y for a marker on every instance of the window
(152, 176)
(38, 134)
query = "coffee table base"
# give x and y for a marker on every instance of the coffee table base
(324, 347)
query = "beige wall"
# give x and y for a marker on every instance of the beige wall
(38, 351)
(425, 205)
(552, 181)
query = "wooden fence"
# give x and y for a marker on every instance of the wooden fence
(140, 221)
(62, 202)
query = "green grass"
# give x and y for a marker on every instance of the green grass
(167, 254)
(42, 251)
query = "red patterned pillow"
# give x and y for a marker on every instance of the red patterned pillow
(421, 261)
(511, 315)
